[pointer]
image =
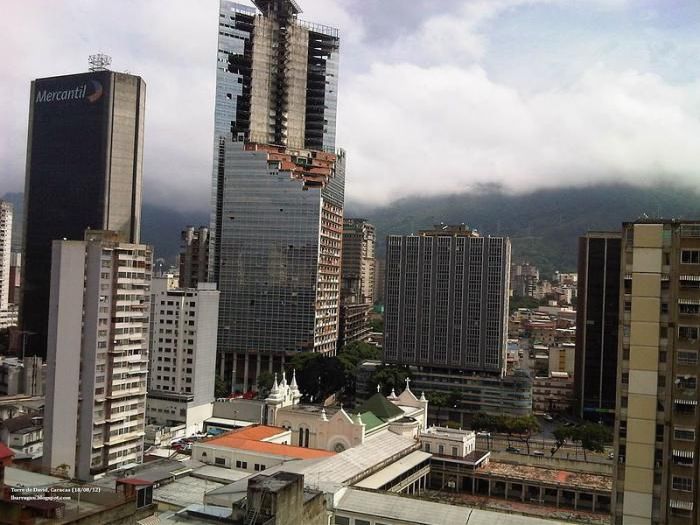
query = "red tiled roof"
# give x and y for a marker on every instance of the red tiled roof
(5, 451)
(255, 432)
(250, 438)
(275, 449)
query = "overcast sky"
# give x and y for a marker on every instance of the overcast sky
(436, 96)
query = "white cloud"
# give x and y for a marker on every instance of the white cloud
(450, 129)
(418, 112)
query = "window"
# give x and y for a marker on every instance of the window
(688, 332)
(690, 256)
(682, 484)
(241, 464)
(689, 309)
(361, 522)
(686, 382)
(219, 461)
(427, 447)
(441, 449)
(687, 358)
(684, 434)
(454, 451)
(342, 520)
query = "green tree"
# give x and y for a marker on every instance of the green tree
(222, 387)
(561, 435)
(390, 377)
(518, 301)
(592, 437)
(438, 400)
(350, 356)
(318, 376)
(377, 324)
(264, 383)
(523, 428)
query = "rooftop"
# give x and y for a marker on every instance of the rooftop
(594, 482)
(254, 432)
(381, 407)
(413, 510)
(393, 471)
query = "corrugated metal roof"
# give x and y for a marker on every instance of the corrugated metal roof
(394, 470)
(378, 505)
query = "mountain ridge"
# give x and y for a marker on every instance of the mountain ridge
(543, 225)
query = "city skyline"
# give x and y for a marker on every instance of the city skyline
(582, 78)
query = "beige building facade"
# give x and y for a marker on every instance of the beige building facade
(656, 421)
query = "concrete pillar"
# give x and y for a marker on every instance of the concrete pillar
(522, 492)
(269, 363)
(558, 494)
(506, 493)
(245, 372)
(257, 369)
(595, 500)
(489, 487)
(473, 485)
(576, 500)
(222, 362)
(541, 494)
(233, 371)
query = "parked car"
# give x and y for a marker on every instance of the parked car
(538, 453)
(513, 450)
(483, 434)
(611, 455)
(548, 417)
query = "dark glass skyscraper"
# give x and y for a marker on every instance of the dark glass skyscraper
(84, 157)
(277, 189)
(598, 314)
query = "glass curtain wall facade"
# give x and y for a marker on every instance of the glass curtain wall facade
(84, 171)
(277, 189)
(597, 321)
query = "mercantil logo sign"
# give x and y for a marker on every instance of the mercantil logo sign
(77, 93)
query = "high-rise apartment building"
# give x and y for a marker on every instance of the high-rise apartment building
(359, 245)
(358, 280)
(182, 354)
(278, 189)
(657, 423)
(194, 256)
(447, 299)
(5, 252)
(597, 318)
(84, 157)
(98, 354)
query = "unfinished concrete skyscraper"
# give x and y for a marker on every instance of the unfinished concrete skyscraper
(277, 189)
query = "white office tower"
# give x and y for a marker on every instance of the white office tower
(183, 355)
(97, 354)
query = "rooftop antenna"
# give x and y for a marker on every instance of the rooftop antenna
(99, 62)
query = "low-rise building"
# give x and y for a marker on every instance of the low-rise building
(22, 376)
(253, 449)
(553, 394)
(24, 434)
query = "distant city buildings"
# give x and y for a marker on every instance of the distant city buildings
(278, 189)
(194, 256)
(656, 415)
(523, 279)
(22, 376)
(182, 355)
(98, 354)
(84, 169)
(358, 280)
(597, 323)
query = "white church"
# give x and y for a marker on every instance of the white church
(335, 429)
